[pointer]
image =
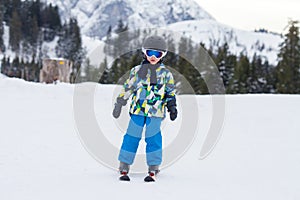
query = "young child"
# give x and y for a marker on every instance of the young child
(152, 88)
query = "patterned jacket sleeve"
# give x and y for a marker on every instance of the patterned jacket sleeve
(129, 86)
(170, 88)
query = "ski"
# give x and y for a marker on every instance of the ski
(150, 177)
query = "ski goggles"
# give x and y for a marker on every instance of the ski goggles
(152, 52)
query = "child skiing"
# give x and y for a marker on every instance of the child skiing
(151, 86)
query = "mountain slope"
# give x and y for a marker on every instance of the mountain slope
(183, 16)
(214, 34)
(95, 16)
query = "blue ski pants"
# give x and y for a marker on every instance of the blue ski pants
(133, 136)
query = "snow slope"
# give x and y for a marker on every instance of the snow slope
(41, 157)
(214, 34)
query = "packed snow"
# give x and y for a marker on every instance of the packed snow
(41, 155)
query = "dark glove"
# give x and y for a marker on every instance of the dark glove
(118, 107)
(171, 105)
(173, 113)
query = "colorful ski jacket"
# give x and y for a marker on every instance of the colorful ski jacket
(149, 99)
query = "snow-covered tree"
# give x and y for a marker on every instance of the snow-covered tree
(288, 69)
(2, 46)
(225, 63)
(239, 83)
(69, 46)
(15, 31)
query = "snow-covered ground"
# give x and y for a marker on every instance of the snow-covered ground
(41, 156)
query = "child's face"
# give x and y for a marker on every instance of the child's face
(153, 60)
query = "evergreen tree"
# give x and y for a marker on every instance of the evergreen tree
(289, 62)
(16, 71)
(271, 79)
(34, 32)
(3, 65)
(69, 46)
(171, 62)
(231, 63)
(259, 76)
(202, 60)
(35, 9)
(50, 22)
(253, 75)
(15, 32)
(76, 52)
(122, 41)
(185, 68)
(135, 59)
(116, 47)
(32, 70)
(91, 72)
(171, 57)
(182, 63)
(62, 48)
(6, 68)
(6, 6)
(125, 65)
(30, 28)
(194, 77)
(2, 45)
(17, 5)
(115, 74)
(55, 19)
(239, 83)
(225, 63)
(23, 69)
(105, 73)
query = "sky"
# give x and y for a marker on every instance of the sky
(272, 15)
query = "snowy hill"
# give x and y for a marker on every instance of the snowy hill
(215, 34)
(41, 157)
